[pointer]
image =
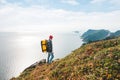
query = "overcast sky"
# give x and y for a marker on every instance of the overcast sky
(59, 15)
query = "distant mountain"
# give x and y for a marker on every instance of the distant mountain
(117, 33)
(76, 31)
(95, 35)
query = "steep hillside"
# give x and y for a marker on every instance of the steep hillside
(94, 61)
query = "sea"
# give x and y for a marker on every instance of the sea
(18, 50)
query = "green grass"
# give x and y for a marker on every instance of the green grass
(95, 61)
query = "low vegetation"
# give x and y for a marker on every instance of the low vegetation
(95, 61)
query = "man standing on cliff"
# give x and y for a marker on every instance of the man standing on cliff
(50, 50)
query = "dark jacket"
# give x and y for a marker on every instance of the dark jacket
(49, 46)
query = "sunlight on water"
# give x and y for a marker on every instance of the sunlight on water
(19, 51)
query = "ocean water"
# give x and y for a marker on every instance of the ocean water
(20, 50)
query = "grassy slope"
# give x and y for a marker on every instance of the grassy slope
(94, 61)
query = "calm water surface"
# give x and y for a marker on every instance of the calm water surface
(20, 50)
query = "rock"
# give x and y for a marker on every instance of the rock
(42, 61)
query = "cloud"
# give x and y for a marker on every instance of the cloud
(115, 2)
(71, 2)
(97, 1)
(3, 2)
(38, 18)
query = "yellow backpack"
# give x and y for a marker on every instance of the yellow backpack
(44, 45)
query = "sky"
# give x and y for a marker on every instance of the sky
(59, 15)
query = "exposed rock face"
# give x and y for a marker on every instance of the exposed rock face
(42, 61)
